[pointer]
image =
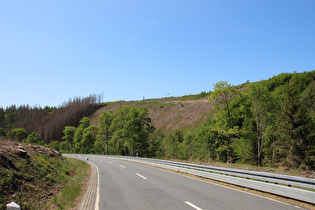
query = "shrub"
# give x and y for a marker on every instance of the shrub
(34, 138)
(17, 134)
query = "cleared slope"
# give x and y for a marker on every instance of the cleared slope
(168, 114)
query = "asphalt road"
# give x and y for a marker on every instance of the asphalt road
(127, 185)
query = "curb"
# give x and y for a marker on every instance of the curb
(88, 200)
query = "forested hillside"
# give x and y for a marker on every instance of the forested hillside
(269, 123)
(48, 122)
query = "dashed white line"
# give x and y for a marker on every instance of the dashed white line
(192, 205)
(122, 166)
(141, 176)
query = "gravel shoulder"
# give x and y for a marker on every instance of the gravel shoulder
(88, 200)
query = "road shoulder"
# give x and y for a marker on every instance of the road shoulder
(88, 200)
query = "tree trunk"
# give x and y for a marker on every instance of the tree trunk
(228, 152)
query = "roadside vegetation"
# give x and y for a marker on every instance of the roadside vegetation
(268, 123)
(32, 175)
(68, 195)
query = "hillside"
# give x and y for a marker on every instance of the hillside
(269, 123)
(31, 175)
(167, 114)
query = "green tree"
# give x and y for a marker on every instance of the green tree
(99, 146)
(116, 144)
(155, 144)
(84, 123)
(295, 129)
(225, 127)
(132, 129)
(207, 139)
(2, 118)
(199, 143)
(34, 138)
(105, 130)
(54, 145)
(187, 147)
(170, 146)
(69, 133)
(17, 134)
(262, 106)
(244, 143)
(63, 147)
(88, 139)
(308, 101)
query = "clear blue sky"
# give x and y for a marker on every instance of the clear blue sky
(53, 50)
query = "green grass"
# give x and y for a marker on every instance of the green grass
(32, 182)
(68, 193)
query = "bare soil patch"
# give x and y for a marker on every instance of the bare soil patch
(168, 115)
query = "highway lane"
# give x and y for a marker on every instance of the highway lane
(128, 185)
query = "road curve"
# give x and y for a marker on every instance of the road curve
(128, 185)
(89, 198)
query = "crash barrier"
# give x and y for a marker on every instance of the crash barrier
(294, 187)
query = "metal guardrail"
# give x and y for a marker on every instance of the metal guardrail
(283, 185)
(262, 176)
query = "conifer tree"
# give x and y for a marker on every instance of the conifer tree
(294, 129)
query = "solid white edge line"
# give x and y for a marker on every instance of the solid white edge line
(141, 176)
(97, 200)
(192, 205)
(231, 188)
(209, 182)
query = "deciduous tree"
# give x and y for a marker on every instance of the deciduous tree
(105, 129)
(84, 123)
(225, 127)
(262, 106)
(88, 139)
(69, 133)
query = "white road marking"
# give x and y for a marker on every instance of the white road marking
(141, 176)
(231, 188)
(192, 205)
(122, 166)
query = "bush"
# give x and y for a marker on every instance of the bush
(203, 94)
(34, 138)
(54, 145)
(17, 134)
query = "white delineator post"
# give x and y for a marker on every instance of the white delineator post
(13, 206)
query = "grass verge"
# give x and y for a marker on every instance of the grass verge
(70, 194)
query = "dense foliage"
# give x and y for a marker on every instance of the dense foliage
(125, 132)
(271, 123)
